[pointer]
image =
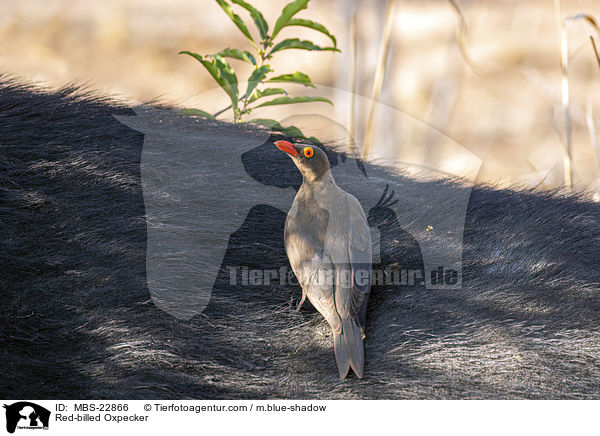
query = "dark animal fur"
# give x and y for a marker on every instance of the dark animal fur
(78, 322)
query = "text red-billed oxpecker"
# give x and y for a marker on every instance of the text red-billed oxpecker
(328, 243)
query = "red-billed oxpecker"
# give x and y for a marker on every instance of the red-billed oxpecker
(328, 243)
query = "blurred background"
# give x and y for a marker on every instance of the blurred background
(500, 99)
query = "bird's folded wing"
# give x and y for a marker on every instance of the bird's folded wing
(360, 253)
(316, 276)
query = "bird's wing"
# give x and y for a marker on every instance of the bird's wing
(360, 254)
(316, 278)
(314, 270)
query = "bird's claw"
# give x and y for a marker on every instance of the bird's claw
(299, 306)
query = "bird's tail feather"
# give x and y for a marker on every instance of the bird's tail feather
(341, 355)
(348, 347)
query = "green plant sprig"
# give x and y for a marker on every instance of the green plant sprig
(264, 49)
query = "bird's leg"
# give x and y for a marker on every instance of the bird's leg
(299, 306)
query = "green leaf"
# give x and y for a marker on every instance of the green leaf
(316, 26)
(245, 56)
(198, 112)
(222, 72)
(265, 93)
(267, 122)
(315, 141)
(296, 77)
(255, 78)
(259, 20)
(291, 131)
(235, 18)
(296, 43)
(293, 100)
(288, 12)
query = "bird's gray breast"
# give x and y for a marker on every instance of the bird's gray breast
(305, 232)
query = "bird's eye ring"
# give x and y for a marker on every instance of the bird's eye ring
(308, 151)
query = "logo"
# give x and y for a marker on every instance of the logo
(26, 415)
(198, 193)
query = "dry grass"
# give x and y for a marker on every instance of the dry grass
(503, 115)
(382, 61)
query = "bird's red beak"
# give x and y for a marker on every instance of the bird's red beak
(287, 147)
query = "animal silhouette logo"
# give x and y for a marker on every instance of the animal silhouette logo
(26, 415)
(200, 185)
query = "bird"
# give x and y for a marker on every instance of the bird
(328, 243)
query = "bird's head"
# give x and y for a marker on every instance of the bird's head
(310, 160)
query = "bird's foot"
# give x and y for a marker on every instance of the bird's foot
(299, 306)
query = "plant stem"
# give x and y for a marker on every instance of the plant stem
(261, 60)
(243, 111)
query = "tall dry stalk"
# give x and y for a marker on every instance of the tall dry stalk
(379, 74)
(461, 37)
(564, 77)
(589, 114)
(352, 84)
(595, 50)
(563, 26)
(589, 118)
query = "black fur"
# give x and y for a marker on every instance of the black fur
(78, 321)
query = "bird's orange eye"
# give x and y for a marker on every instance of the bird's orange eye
(308, 151)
